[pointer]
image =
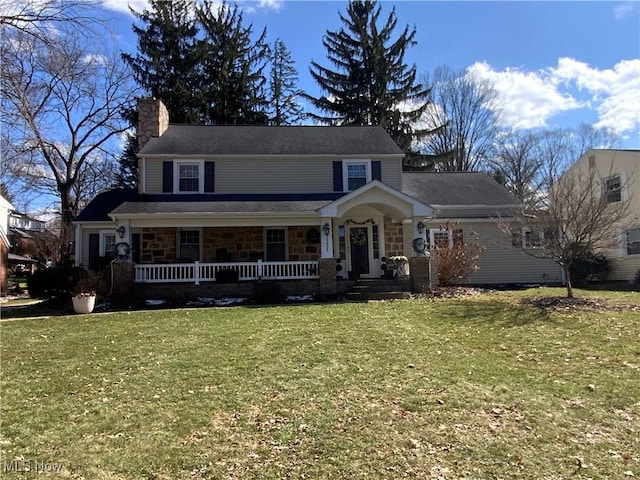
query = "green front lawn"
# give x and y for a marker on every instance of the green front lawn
(480, 387)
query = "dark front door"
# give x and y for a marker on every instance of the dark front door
(359, 240)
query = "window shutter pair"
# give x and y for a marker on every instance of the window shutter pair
(167, 177)
(338, 181)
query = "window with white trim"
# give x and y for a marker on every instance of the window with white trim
(189, 245)
(356, 174)
(107, 244)
(613, 189)
(445, 238)
(275, 244)
(527, 238)
(189, 177)
(632, 238)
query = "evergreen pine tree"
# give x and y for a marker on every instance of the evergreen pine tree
(283, 87)
(231, 70)
(371, 84)
(167, 56)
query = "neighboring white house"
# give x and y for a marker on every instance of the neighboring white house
(617, 174)
(5, 208)
(274, 202)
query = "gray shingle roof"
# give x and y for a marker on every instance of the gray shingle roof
(456, 188)
(220, 207)
(262, 140)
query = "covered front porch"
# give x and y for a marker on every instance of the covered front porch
(320, 242)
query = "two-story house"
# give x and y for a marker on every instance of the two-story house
(307, 204)
(616, 176)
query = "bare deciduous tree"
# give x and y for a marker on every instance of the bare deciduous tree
(467, 108)
(61, 109)
(518, 164)
(41, 18)
(579, 218)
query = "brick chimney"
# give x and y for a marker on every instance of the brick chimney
(153, 120)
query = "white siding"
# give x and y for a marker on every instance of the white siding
(269, 175)
(501, 263)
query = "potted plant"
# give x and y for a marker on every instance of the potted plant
(84, 293)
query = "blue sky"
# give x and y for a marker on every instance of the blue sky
(555, 64)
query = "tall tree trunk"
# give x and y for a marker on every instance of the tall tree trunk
(66, 227)
(567, 277)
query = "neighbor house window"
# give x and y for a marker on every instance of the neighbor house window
(445, 238)
(440, 238)
(633, 241)
(356, 174)
(189, 177)
(189, 245)
(107, 244)
(613, 189)
(275, 244)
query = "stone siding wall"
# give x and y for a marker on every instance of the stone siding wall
(393, 238)
(300, 249)
(241, 244)
(158, 245)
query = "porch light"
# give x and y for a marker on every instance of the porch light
(121, 231)
(326, 229)
(420, 227)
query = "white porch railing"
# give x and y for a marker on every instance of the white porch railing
(206, 272)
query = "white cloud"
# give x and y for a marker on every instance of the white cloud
(623, 9)
(530, 99)
(122, 6)
(140, 5)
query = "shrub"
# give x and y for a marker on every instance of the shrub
(456, 262)
(588, 267)
(55, 282)
(636, 278)
(268, 293)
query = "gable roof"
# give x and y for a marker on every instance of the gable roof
(98, 209)
(262, 140)
(456, 189)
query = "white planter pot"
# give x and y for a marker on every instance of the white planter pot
(84, 304)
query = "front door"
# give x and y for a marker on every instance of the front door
(359, 243)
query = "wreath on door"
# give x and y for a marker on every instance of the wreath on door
(358, 237)
(313, 235)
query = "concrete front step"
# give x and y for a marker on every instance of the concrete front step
(368, 296)
(366, 289)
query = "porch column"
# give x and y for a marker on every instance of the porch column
(78, 246)
(326, 238)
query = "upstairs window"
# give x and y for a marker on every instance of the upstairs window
(188, 177)
(613, 189)
(356, 174)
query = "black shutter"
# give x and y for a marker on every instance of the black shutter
(376, 170)
(94, 251)
(209, 177)
(135, 247)
(167, 177)
(337, 176)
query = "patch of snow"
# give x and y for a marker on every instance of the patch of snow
(221, 302)
(299, 298)
(155, 302)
